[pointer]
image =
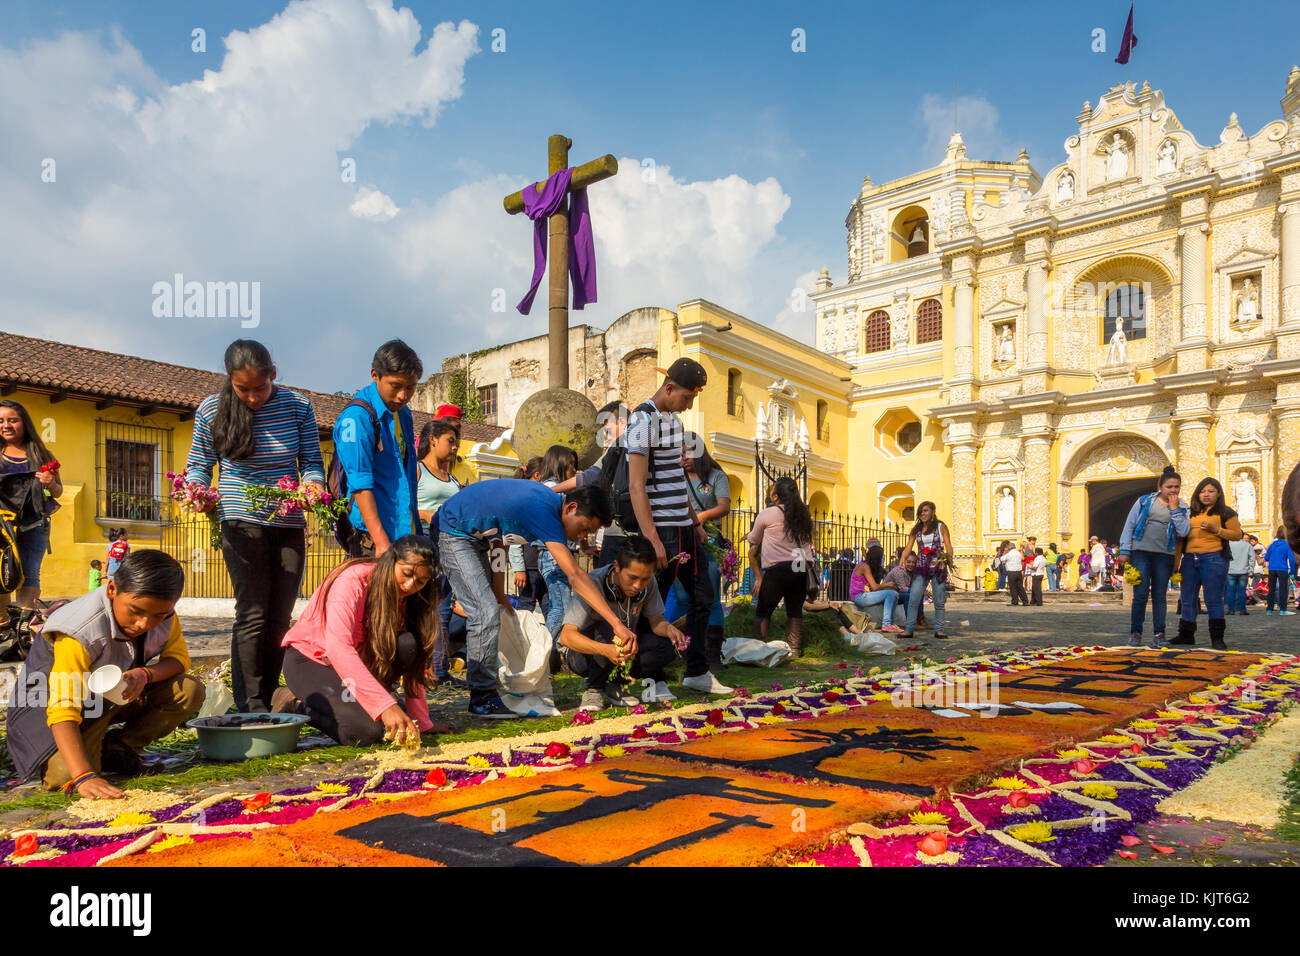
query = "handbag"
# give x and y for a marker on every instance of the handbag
(814, 570)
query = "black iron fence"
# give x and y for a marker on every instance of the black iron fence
(833, 535)
(188, 539)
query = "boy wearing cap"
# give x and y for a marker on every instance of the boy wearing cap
(657, 484)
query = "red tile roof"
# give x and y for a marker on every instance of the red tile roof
(91, 373)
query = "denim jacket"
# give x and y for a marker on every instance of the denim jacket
(1136, 524)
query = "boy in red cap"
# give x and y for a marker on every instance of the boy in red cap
(452, 412)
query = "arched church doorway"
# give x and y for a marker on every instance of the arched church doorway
(1109, 503)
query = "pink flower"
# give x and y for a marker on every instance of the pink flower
(289, 483)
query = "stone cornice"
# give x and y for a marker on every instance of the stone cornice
(727, 447)
(862, 393)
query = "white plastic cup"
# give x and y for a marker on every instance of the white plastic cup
(107, 682)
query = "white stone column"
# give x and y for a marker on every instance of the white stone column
(1193, 265)
(963, 328)
(1290, 269)
(1036, 316)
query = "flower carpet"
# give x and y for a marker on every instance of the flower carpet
(1075, 748)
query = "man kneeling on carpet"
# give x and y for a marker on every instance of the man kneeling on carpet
(59, 731)
(372, 623)
(593, 650)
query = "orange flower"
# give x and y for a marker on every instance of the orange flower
(25, 845)
(934, 844)
(257, 801)
(437, 776)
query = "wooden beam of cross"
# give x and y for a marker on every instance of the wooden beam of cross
(557, 158)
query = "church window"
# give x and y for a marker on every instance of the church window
(929, 322)
(1126, 301)
(876, 333)
(909, 436)
(735, 405)
(823, 421)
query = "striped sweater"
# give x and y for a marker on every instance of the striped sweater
(286, 442)
(661, 434)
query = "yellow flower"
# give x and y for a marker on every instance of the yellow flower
(1009, 783)
(1152, 764)
(1168, 715)
(521, 771)
(1114, 739)
(167, 842)
(331, 788)
(1195, 699)
(1252, 705)
(1179, 745)
(1073, 753)
(660, 728)
(131, 820)
(479, 763)
(771, 719)
(708, 730)
(1099, 791)
(1144, 725)
(806, 863)
(1229, 719)
(1039, 831)
(882, 696)
(613, 751)
(1232, 679)
(837, 709)
(927, 817)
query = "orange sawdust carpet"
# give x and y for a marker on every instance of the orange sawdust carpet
(735, 798)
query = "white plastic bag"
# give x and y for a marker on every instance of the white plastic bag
(747, 650)
(523, 664)
(217, 698)
(873, 642)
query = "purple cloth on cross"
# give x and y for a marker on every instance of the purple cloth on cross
(539, 207)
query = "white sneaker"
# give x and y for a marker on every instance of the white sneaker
(1287, 613)
(706, 683)
(662, 692)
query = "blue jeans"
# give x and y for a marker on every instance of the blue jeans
(1002, 577)
(1155, 568)
(916, 598)
(31, 552)
(1236, 596)
(558, 589)
(1209, 573)
(886, 596)
(470, 574)
(677, 602)
(1052, 584)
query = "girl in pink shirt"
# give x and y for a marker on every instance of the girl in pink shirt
(372, 624)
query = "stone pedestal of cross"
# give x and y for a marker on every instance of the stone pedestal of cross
(557, 155)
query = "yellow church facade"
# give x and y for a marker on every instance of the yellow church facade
(1029, 350)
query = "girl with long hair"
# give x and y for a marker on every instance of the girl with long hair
(1150, 537)
(867, 588)
(1204, 555)
(933, 546)
(372, 625)
(780, 547)
(30, 489)
(257, 432)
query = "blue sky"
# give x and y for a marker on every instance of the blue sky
(715, 94)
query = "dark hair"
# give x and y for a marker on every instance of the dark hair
(611, 408)
(1281, 532)
(382, 622)
(798, 521)
(96, 564)
(1290, 505)
(232, 426)
(431, 432)
(1038, 551)
(934, 523)
(151, 573)
(557, 461)
(635, 549)
(1220, 506)
(1052, 546)
(395, 357)
(1168, 474)
(593, 502)
(702, 462)
(876, 562)
(531, 469)
(37, 453)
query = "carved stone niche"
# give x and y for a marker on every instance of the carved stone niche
(1003, 353)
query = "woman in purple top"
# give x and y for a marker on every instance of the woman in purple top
(867, 588)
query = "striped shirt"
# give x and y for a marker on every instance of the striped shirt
(661, 434)
(285, 442)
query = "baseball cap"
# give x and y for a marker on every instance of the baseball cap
(687, 373)
(873, 542)
(448, 411)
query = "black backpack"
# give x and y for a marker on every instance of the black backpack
(11, 568)
(336, 479)
(614, 479)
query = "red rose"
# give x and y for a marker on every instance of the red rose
(831, 696)
(1136, 748)
(934, 844)
(640, 734)
(25, 845)
(557, 751)
(778, 709)
(437, 776)
(1085, 766)
(1018, 798)
(716, 718)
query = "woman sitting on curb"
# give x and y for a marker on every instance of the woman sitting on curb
(63, 736)
(371, 624)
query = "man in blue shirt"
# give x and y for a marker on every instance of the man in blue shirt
(380, 463)
(488, 516)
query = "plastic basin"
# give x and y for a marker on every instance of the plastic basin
(241, 736)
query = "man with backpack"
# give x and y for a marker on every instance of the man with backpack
(375, 458)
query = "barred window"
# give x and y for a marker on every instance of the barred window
(131, 461)
(929, 322)
(487, 402)
(876, 332)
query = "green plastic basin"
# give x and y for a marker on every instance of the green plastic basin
(241, 736)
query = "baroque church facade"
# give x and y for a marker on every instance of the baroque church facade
(1029, 351)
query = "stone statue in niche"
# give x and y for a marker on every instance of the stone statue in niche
(1065, 188)
(1247, 499)
(828, 331)
(1116, 158)
(1006, 353)
(1166, 158)
(1006, 509)
(1247, 302)
(1118, 353)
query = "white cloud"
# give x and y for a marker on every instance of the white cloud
(373, 205)
(799, 319)
(977, 120)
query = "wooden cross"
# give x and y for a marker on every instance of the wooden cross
(557, 158)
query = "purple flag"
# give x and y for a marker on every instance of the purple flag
(1130, 40)
(539, 207)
